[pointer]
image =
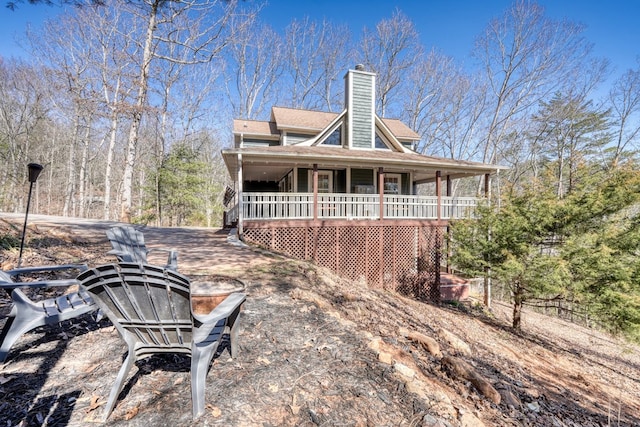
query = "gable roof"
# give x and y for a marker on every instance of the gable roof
(303, 121)
(400, 130)
(255, 128)
(298, 119)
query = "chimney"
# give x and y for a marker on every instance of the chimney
(360, 104)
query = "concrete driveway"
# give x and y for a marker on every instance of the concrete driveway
(200, 249)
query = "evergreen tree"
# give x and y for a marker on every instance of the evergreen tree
(181, 186)
(516, 244)
(602, 248)
(583, 248)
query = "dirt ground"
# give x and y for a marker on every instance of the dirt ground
(315, 350)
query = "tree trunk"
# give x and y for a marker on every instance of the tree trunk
(82, 179)
(68, 196)
(106, 214)
(517, 307)
(132, 145)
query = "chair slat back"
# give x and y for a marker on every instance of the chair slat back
(146, 302)
(129, 240)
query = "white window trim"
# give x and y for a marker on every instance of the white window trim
(320, 172)
(394, 175)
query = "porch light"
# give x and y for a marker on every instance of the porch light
(34, 172)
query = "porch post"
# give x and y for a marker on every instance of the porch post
(448, 231)
(439, 194)
(438, 251)
(381, 190)
(315, 191)
(487, 185)
(487, 270)
(240, 204)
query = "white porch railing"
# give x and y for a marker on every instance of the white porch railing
(258, 206)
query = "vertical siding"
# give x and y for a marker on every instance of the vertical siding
(361, 113)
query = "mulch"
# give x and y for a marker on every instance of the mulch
(314, 350)
(296, 364)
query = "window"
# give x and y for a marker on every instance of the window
(392, 183)
(325, 181)
(380, 144)
(334, 139)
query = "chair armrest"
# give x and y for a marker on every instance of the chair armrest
(222, 310)
(172, 257)
(121, 255)
(42, 269)
(42, 283)
(38, 284)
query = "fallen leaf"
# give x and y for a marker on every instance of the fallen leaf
(5, 379)
(95, 403)
(216, 412)
(90, 368)
(295, 408)
(263, 360)
(132, 412)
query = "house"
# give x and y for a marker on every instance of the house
(343, 190)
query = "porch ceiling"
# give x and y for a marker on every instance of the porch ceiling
(272, 163)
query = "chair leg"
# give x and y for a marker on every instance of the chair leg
(201, 355)
(117, 386)
(234, 324)
(5, 342)
(24, 317)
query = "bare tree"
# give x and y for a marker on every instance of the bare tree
(114, 64)
(624, 97)
(316, 55)
(253, 68)
(72, 90)
(525, 57)
(24, 110)
(206, 33)
(390, 51)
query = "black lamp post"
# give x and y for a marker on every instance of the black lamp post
(34, 171)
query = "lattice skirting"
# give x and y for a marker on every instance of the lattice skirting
(397, 255)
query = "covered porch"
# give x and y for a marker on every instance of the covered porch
(341, 206)
(328, 183)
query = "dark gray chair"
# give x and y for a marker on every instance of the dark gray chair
(26, 314)
(128, 246)
(151, 309)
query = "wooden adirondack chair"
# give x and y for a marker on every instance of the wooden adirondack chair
(128, 246)
(151, 309)
(26, 314)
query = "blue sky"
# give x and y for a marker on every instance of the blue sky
(448, 25)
